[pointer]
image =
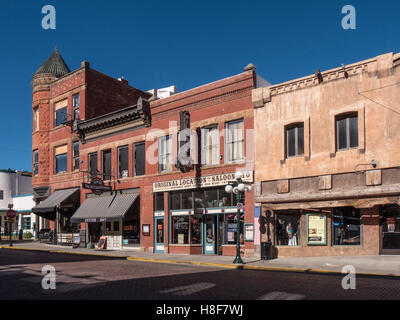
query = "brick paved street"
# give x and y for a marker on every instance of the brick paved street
(90, 277)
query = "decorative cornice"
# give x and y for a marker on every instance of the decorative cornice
(138, 113)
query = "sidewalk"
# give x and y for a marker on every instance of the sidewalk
(367, 265)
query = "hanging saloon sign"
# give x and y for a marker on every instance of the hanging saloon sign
(97, 186)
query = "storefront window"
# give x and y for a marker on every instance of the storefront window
(211, 198)
(116, 226)
(225, 199)
(108, 226)
(159, 201)
(187, 197)
(199, 199)
(180, 230)
(131, 235)
(195, 230)
(287, 229)
(230, 223)
(346, 226)
(175, 201)
(66, 226)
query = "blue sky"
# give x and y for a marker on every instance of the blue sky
(155, 44)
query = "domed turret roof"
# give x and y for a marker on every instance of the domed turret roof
(55, 65)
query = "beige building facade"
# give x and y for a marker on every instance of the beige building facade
(327, 161)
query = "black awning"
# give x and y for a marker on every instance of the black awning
(105, 208)
(64, 199)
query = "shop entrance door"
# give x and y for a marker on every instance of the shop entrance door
(209, 235)
(213, 234)
(390, 230)
(159, 234)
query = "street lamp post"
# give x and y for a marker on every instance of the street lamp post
(237, 187)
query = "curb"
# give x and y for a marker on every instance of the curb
(206, 264)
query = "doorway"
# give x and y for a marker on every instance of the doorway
(159, 234)
(95, 231)
(213, 234)
(390, 229)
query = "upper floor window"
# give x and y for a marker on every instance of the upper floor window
(165, 153)
(93, 165)
(123, 159)
(347, 131)
(1, 194)
(106, 164)
(210, 145)
(35, 125)
(75, 106)
(75, 164)
(35, 162)
(139, 158)
(61, 159)
(234, 141)
(295, 140)
(61, 112)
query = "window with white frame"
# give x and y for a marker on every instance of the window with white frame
(210, 145)
(165, 153)
(234, 137)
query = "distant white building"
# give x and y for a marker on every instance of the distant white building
(163, 92)
(16, 190)
(23, 204)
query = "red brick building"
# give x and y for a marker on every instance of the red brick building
(129, 139)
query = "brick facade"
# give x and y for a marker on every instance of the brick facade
(215, 103)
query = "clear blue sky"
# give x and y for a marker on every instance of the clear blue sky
(155, 44)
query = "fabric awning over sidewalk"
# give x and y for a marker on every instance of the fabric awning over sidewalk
(47, 208)
(105, 208)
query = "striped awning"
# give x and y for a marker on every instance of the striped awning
(59, 198)
(105, 208)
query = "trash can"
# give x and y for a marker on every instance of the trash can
(266, 251)
(20, 234)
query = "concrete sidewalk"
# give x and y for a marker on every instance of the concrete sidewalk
(367, 265)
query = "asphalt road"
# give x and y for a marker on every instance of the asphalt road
(89, 277)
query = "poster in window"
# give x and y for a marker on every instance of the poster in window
(181, 238)
(146, 229)
(249, 232)
(316, 229)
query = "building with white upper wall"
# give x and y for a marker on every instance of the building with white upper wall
(16, 190)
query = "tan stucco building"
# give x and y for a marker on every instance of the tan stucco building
(327, 161)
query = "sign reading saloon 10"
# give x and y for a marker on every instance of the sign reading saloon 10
(199, 182)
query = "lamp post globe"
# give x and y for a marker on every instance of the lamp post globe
(238, 175)
(241, 187)
(248, 188)
(228, 188)
(235, 190)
